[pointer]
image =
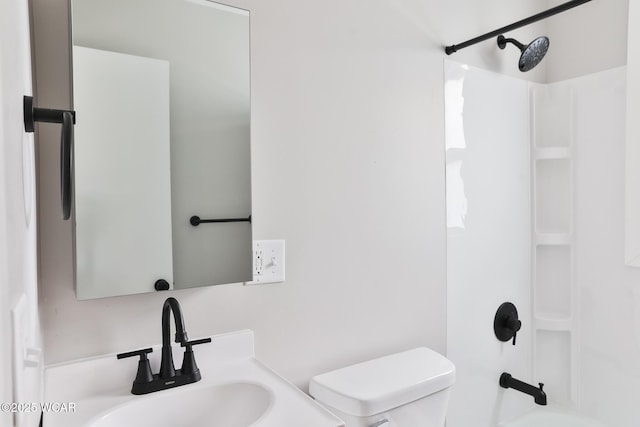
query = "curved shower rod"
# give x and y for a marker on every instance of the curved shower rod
(530, 20)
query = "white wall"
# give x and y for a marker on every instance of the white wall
(587, 39)
(347, 166)
(17, 215)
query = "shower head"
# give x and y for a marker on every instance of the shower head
(532, 53)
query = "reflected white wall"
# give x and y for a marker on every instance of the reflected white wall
(122, 179)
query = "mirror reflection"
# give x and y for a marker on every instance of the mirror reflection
(163, 90)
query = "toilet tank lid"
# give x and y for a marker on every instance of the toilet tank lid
(382, 384)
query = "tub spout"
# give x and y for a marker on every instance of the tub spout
(539, 396)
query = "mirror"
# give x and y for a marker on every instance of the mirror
(632, 149)
(162, 95)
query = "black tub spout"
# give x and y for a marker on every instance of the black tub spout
(539, 396)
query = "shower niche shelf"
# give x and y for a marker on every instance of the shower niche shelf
(554, 354)
(554, 293)
(552, 153)
(553, 195)
(553, 322)
(553, 239)
(553, 281)
(552, 111)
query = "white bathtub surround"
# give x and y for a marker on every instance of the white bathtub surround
(489, 247)
(578, 278)
(580, 274)
(98, 385)
(609, 354)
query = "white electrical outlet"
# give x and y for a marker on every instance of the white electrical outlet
(268, 262)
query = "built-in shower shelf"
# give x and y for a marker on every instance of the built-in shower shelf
(553, 238)
(555, 319)
(553, 322)
(552, 153)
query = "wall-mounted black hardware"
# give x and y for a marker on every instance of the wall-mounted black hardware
(195, 220)
(144, 374)
(530, 20)
(539, 396)
(168, 377)
(506, 323)
(161, 285)
(67, 119)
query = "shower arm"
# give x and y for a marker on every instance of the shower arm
(502, 43)
(530, 20)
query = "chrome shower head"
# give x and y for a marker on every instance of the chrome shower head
(532, 53)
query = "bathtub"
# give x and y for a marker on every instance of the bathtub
(551, 418)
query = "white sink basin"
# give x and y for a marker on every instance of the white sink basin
(236, 390)
(229, 405)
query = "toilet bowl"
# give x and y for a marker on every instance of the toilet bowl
(408, 389)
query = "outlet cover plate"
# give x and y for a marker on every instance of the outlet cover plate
(268, 262)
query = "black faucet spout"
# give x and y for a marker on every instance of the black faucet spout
(539, 396)
(171, 305)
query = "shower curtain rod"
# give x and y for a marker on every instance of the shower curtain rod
(530, 20)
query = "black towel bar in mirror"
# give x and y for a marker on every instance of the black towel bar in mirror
(67, 118)
(196, 220)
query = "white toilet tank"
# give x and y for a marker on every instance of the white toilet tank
(408, 389)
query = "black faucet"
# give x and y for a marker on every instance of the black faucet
(539, 396)
(168, 377)
(167, 370)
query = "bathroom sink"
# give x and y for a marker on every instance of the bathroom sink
(236, 390)
(229, 405)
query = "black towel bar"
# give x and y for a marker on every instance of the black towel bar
(195, 220)
(67, 118)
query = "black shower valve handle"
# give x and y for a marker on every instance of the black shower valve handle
(514, 324)
(506, 322)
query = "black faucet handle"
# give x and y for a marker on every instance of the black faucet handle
(189, 365)
(142, 353)
(541, 386)
(190, 344)
(144, 374)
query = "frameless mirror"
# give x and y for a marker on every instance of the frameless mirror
(632, 153)
(162, 96)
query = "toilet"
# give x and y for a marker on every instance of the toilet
(408, 389)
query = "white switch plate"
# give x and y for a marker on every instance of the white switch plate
(268, 262)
